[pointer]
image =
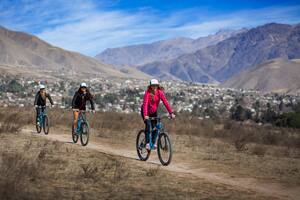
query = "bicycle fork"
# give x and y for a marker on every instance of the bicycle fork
(41, 119)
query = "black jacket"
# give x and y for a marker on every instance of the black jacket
(39, 101)
(80, 99)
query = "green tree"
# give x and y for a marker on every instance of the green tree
(15, 87)
(238, 113)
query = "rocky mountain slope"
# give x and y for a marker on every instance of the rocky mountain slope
(277, 75)
(242, 51)
(29, 52)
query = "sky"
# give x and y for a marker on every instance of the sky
(91, 26)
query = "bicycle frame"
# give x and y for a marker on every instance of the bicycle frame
(158, 128)
(42, 114)
(80, 120)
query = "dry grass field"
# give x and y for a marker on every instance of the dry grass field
(212, 160)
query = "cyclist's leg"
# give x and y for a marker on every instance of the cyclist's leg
(37, 114)
(147, 127)
(75, 114)
(147, 130)
(153, 124)
(42, 110)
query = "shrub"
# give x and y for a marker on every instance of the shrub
(152, 171)
(88, 170)
(15, 87)
(17, 172)
(259, 150)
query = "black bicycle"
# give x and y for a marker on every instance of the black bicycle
(83, 129)
(162, 139)
(42, 121)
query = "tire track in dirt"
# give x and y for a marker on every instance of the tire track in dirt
(244, 184)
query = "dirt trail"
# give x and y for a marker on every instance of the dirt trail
(243, 184)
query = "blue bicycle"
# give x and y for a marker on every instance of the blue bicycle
(164, 147)
(83, 129)
(42, 121)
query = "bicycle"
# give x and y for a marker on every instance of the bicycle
(82, 129)
(162, 139)
(42, 121)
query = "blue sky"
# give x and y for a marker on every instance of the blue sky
(90, 26)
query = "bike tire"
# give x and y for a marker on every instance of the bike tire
(164, 140)
(46, 125)
(74, 135)
(38, 127)
(140, 147)
(85, 133)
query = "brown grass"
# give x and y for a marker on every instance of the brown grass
(222, 146)
(17, 172)
(11, 120)
(48, 170)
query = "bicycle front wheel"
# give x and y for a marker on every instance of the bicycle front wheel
(141, 146)
(85, 132)
(164, 149)
(46, 125)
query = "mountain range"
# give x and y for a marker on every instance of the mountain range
(223, 60)
(161, 50)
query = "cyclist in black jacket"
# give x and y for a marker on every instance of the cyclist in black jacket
(79, 102)
(41, 100)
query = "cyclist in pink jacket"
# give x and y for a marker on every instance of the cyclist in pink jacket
(151, 101)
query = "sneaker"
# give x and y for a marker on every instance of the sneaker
(155, 146)
(148, 147)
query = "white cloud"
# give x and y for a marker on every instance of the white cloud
(88, 28)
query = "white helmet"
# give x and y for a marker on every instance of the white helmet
(42, 87)
(154, 82)
(83, 85)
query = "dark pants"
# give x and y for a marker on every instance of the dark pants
(149, 124)
(38, 111)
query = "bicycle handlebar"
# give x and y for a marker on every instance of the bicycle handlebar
(82, 111)
(42, 106)
(163, 116)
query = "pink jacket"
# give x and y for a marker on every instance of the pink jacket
(151, 102)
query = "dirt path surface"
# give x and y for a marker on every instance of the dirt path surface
(270, 189)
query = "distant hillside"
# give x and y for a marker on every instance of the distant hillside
(29, 52)
(278, 75)
(227, 58)
(160, 51)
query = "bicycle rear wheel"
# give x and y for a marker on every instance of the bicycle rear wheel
(85, 132)
(74, 135)
(142, 152)
(46, 125)
(164, 149)
(38, 127)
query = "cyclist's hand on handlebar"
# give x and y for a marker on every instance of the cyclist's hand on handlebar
(146, 117)
(172, 115)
